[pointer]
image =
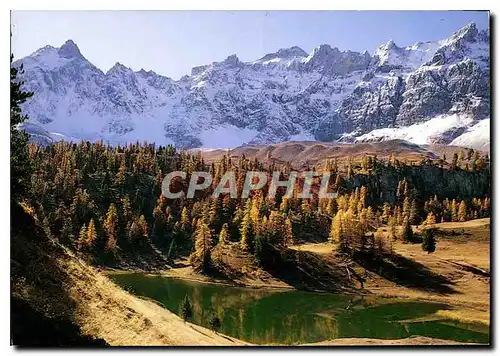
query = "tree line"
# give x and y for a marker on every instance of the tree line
(106, 202)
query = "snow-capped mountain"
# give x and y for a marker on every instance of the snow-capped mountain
(440, 88)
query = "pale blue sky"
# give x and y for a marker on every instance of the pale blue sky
(172, 42)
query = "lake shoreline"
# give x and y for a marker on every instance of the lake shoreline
(207, 280)
(171, 273)
(151, 287)
(398, 292)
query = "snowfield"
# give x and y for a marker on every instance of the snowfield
(477, 136)
(420, 134)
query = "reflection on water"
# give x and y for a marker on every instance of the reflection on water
(292, 317)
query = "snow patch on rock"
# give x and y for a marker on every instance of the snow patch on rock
(477, 136)
(421, 133)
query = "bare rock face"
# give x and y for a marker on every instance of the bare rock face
(287, 95)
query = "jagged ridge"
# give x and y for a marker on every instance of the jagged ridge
(287, 95)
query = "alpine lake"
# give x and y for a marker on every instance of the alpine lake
(292, 317)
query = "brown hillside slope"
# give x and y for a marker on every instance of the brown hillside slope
(312, 152)
(64, 289)
(303, 153)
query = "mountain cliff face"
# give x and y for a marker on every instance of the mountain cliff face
(326, 95)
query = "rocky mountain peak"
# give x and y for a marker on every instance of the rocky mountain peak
(198, 70)
(325, 50)
(294, 51)
(285, 53)
(389, 45)
(468, 33)
(465, 43)
(69, 50)
(118, 68)
(330, 60)
(43, 50)
(232, 61)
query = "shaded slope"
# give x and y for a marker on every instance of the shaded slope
(59, 300)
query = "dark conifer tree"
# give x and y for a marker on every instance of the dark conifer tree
(20, 165)
(186, 309)
(428, 240)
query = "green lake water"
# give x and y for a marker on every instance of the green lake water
(296, 317)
